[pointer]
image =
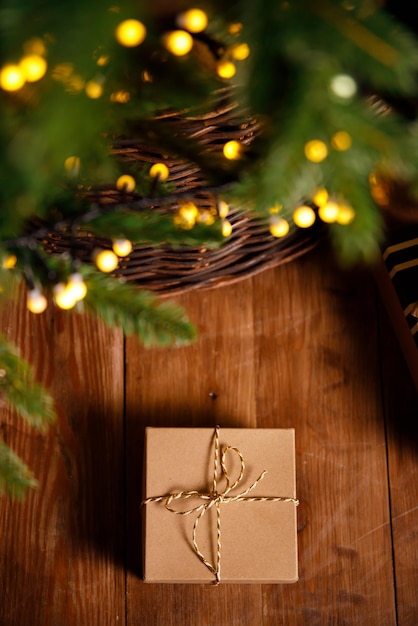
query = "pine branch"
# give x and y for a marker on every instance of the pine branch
(136, 311)
(27, 397)
(15, 476)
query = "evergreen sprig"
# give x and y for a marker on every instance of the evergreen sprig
(15, 477)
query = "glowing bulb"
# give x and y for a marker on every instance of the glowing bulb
(321, 197)
(178, 42)
(120, 96)
(33, 67)
(63, 297)
(346, 214)
(223, 209)
(193, 20)
(304, 216)
(106, 260)
(12, 78)
(188, 213)
(232, 150)
(240, 52)
(94, 89)
(36, 301)
(328, 212)
(9, 262)
(122, 247)
(126, 183)
(159, 169)
(131, 33)
(343, 86)
(279, 227)
(226, 228)
(205, 217)
(316, 151)
(102, 60)
(76, 286)
(72, 165)
(235, 28)
(341, 140)
(226, 69)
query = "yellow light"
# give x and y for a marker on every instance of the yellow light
(316, 151)
(240, 52)
(232, 150)
(126, 183)
(76, 287)
(12, 78)
(102, 60)
(226, 69)
(178, 42)
(74, 84)
(226, 228)
(146, 77)
(106, 260)
(273, 210)
(63, 297)
(35, 46)
(235, 28)
(279, 227)
(122, 247)
(161, 170)
(188, 213)
(9, 262)
(223, 209)
(205, 217)
(341, 141)
(304, 216)
(36, 301)
(328, 212)
(94, 89)
(120, 96)
(72, 165)
(193, 20)
(321, 197)
(346, 214)
(131, 33)
(33, 67)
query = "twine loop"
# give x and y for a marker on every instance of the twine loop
(215, 498)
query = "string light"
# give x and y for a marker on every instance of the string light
(94, 89)
(131, 33)
(316, 150)
(346, 214)
(240, 51)
(279, 227)
(122, 247)
(103, 60)
(63, 297)
(328, 212)
(343, 86)
(321, 197)
(106, 260)
(36, 301)
(193, 20)
(341, 141)
(9, 262)
(126, 183)
(159, 170)
(223, 208)
(120, 96)
(205, 217)
(12, 78)
(226, 228)
(226, 69)
(187, 214)
(178, 42)
(232, 150)
(304, 216)
(34, 67)
(235, 28)
(76, 286)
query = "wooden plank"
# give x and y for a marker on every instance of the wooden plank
(62, 548)
(204, 384)
(401, 405)
(318, 371)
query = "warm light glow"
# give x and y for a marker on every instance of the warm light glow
(94, 89)
(341, 141)
(226, 228)
(343, 86)
(316, 150)
(193, 20)
(223, 208)
(346, 214)
(126, 183)
(188, 213)
(33, 67)
(9, 262)
(35, 46)
(36, 301)
(328, 212)
(235, 28)
(232, 150)
(76, 286)
(304, 216)
(63, 297)
(103, 60)
(106, 260)
(240, 52)
(205, 217)
(12, 78)
(178, 42)
(72, 165)
(226, 69)
(120, 96)
(279, 227)
(321, 197)
(161, 170)
(131, 33)
(122, 247)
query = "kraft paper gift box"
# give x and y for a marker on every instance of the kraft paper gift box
(246, 534)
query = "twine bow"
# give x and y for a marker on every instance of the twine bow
(216, 498)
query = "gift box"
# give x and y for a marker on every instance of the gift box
(219, 505)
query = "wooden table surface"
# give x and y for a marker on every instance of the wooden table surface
(303, 346)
